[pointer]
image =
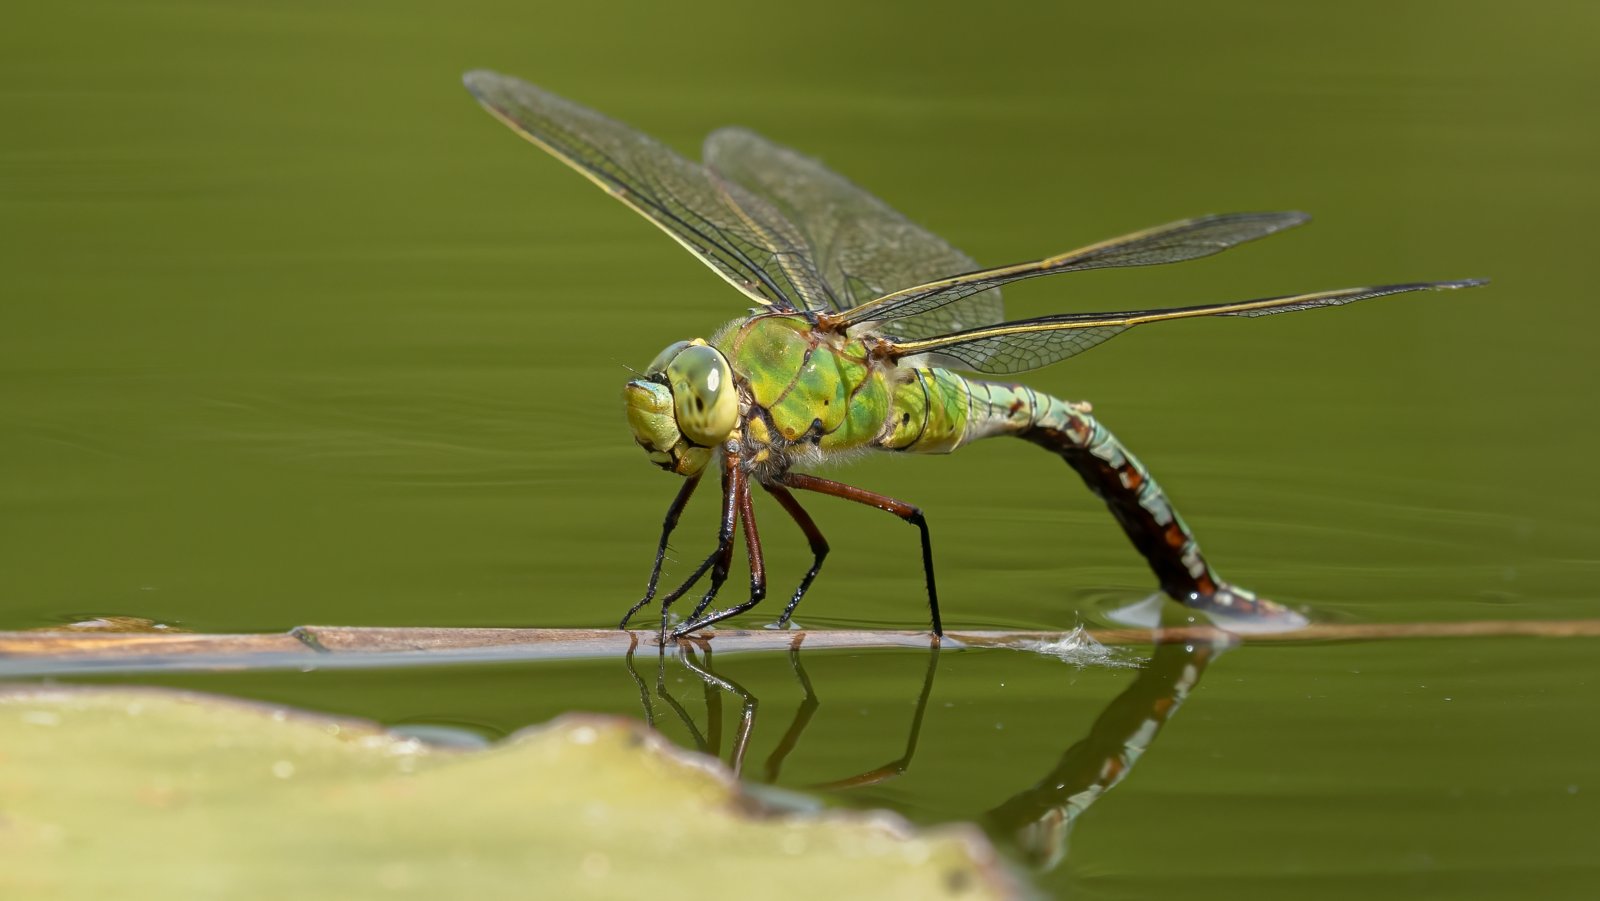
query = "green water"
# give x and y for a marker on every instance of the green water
(290, 332)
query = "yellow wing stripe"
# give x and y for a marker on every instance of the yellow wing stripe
(1186, 239)
(1020, 331)
(624, 194)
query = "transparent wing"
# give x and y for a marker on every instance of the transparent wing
(1184, 240)
(740, 236)
(1030, 343)
(861, 246)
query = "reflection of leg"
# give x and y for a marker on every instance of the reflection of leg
(715, 685)
(900, 764)
(683, 715)
(802, 718)
(819, 544)
(1039, 819)
(758, 571)
(713, 697)
(644, 691)
(673, 512)
(905, 511)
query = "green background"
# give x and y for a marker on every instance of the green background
(291, 331)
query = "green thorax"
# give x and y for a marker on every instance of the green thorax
(830, 392)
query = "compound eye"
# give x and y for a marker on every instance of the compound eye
(659, 364)
(703, 395)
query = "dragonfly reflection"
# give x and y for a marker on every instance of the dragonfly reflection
(710, 741)
(1035, 822)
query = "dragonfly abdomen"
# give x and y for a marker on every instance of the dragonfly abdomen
(1117, 477)
(1113, 473)
(931, 411)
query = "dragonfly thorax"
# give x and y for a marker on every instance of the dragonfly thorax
(685, 406)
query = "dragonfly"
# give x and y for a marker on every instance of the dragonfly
(862, 327)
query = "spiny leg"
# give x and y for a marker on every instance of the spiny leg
(758, 570)
(671, 522)
(735, 503)
(733, 483)
(819, 544)
(905, 511)
(724, 561)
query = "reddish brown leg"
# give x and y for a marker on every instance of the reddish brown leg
(819, 544)
(901, 509)
(738, 486)
(733, 485)
(740, 508)
(673, 512)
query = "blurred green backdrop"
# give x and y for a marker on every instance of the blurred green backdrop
(291, 331)
(294, 332)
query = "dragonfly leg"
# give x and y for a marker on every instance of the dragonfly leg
(673, 512)
(905, 511)
(733, 483)
(736, 491)
(744, 510)
(719, 575)
(819, 544)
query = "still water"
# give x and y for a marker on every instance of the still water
(291, 332)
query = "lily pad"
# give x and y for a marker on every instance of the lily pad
(151, 793)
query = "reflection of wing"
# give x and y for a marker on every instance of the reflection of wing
(737, 234)
(1031, 343)
(863, 248)
(1184, 240)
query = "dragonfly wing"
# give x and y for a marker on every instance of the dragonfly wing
(1187, 239)
(1012, 347)
(743, 238)
(862, 247)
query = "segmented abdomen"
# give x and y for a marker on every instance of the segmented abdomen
(954, 410)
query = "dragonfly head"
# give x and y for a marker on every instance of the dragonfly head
(685, 406)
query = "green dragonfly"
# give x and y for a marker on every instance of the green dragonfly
(861, 317)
